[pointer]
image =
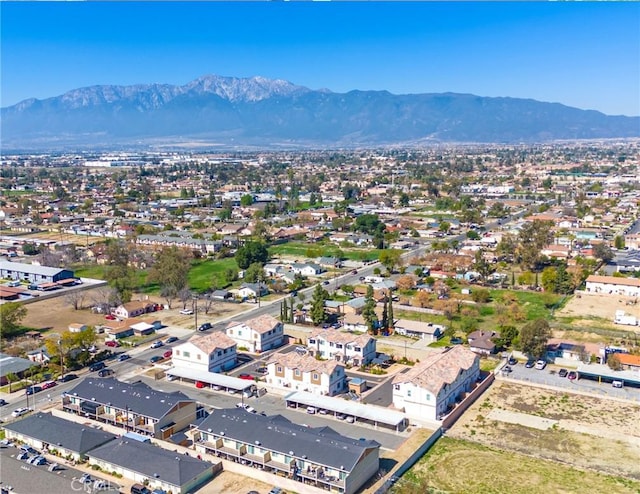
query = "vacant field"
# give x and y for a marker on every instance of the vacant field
(312, 250)
(597, 310)
(590, 433)
(459, 466)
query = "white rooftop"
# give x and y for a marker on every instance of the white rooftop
(210, 378)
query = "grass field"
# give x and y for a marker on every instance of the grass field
(305, 250)
(458, 466)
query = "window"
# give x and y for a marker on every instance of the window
(199, 356)
(408, 392)
(396, 387)
(297, 372)
(312, 341)
(255, 336)
(339, 345)
(239, 332)
(315, 376)
(279, 368)
(177, 352)
(186, 354)
(231, 332)
(428, 397)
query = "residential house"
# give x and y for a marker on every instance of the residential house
(45, 432)
(12, 365)
(252, 290)
(629, 361)
(77, 327)
(39, 356)
(565, 350)
(136, 406)
(432, 386)
(481, 342)
(305, 373)
(318, 456)
(134, 309)
(613, 285)
(355, 322)
(418, 329)
(212, 352)
(306, 269)
(258, 334)
(148, 464)
(342, 347)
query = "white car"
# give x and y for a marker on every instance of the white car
(186, 312)
(540, 364)
(19, 412)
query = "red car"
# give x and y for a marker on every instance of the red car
(112, 343)
(199, 384)
(49, 384)
(248, 377)
(167, 354)
(110, 317)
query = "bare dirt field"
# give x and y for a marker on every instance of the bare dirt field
(590, 309)
(232, 483)
(585, 432)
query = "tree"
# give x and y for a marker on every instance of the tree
(318, 312)
(11, 314)
(406, 282)
(368, 223)
(533, 236)
(508, 334)
(480, 295)
(11, 378)
(119, 274)
(618, 242)
(75, 298)
(603, 252)
(613, 361)
(390, 317)
(390, 258)
(254, 273)
(481, 265)
(251, 252)
(170, 270)
(246, 200)
(422, 299)
(534, 336)
(369, 310)
(230, 274)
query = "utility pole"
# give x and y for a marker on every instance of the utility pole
(195, 310)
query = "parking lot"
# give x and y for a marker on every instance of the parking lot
(549, 376)
(25, 477)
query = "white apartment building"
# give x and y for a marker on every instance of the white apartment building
(305, 373)
(214, 352)
(612, 285)
(342, 347)
(258, 334)
(431, 386)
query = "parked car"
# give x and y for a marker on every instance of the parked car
(205, 326)
(167, 354)
(456, 341)
(186, 312)
(67, 378)
(311, 410)
(22, 456)
(507, 369)
(171, 339)
(512, 361)
(354, 271)
(96, 367)
(617, 384)
(275, 490)
(199, 384)
(530, 364)
(154, 359)
(105, 372)
(3, 402)
(341, 416)
(112, 343)
(350, 419)
(540, 364)
(19, 412)
(123, 356)
(248, 377)
(322, 411)
(572, 376)
(49, 384)
(563, 372)
(157, 344)
(31, 390)
(110, 317)
(262, 370)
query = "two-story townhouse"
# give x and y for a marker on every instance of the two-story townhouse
(213, 352)
(346, 348)
(258, 334)
(318, 456)
(135, 406)
(430, 387)
(305, 373)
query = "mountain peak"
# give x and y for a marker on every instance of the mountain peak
(237, 89)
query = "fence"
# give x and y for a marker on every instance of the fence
(450, 419)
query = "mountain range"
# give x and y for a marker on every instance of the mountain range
(229, 112)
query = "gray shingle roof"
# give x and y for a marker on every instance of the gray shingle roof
(59, 432)
(9, 364)
(138, 397)
(321, 445)
(30, 268)
(151, 461)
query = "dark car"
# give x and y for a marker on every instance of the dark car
(96, 367)
(573, 375)
(205, 326)
(530, 364)
(563, 372)
(171, 339)
(105, 372)
(456, 341)
(507, 369)
(155, 358)
(67, 378)
(512, 361)
(123, 356)
(3, 402)
(31, 390)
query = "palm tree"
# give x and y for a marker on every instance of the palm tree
(11, 378)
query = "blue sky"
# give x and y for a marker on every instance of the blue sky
(582, 54)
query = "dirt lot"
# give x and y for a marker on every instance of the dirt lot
(609, 441)
(584, 307)
(56, 314)
(233, 483)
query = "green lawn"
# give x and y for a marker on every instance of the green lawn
(534, 304)
(457, 466)
(304, 250)
(203, 272)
